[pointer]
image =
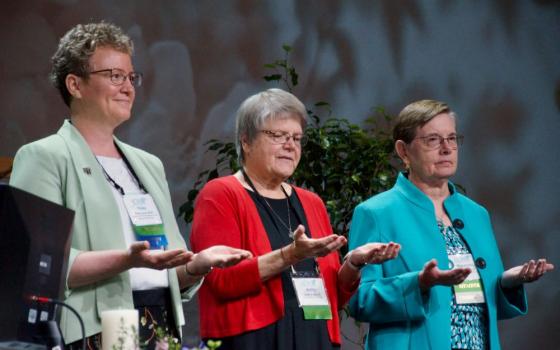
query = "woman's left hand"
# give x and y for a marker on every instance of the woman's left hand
(217, 256)
(526, 273)
(374, 253)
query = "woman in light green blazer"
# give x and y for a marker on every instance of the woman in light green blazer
(416, 301)
(93, 71)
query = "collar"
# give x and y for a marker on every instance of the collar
(419, 198)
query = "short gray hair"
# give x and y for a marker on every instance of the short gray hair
(259, 108)
(78, 45)
(416, 115)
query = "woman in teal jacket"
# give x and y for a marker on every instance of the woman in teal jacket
(447, 288)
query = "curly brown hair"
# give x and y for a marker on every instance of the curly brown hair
(78, 45)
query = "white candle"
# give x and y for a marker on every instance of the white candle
(119, 329)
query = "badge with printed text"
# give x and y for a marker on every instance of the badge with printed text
(145, 219)
(470, 290)
(312, 296)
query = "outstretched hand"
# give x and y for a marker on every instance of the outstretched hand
(305, 247)
(374, 253)
(140, 255)
(216, 256)
(431, 275)
(528, 272)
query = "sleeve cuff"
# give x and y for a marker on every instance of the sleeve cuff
(517, 300)
(71, 257)
(416, 302)
(189, 293)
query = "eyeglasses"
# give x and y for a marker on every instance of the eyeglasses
(435, 141)
(281, 137)
(119, 76)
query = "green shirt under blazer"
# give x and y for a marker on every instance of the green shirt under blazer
(389, 298)
(61, 168)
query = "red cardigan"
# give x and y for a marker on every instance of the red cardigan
(234, 300)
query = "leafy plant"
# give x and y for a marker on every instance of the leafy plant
(164, 341)
(283, 70)
(342, 162)
(345, 164)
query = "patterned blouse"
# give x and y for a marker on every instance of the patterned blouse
(469, 322)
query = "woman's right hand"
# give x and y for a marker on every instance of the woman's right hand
(216, 256)
(273, 263)
(304, 247)
(140, 255)
(431, 275)
(373, 253)
(94, 266)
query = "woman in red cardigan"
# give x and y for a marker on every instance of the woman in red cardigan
(289, 294)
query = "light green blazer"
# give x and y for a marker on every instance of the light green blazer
(61, 168)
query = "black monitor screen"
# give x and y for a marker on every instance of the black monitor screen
(34, 247)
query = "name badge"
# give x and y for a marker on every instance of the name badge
(145, 218)
(470, 290)
(312, 296)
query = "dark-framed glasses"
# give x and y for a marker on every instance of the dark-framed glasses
(119, 76)
(434, 141)
(281, 137)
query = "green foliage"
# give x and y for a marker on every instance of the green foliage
(345, 164)
(283, 71)
(342, 162)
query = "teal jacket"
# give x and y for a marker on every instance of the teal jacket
(389, 298)
(62, 169)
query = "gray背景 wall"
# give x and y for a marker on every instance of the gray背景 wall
(495, 62)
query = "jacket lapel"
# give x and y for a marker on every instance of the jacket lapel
(99, 205)
(422, 236)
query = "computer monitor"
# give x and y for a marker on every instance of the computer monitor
(34, 248)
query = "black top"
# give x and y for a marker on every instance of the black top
(278, 234)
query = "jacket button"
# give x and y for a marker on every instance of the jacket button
(480, 263)
(458, 224)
